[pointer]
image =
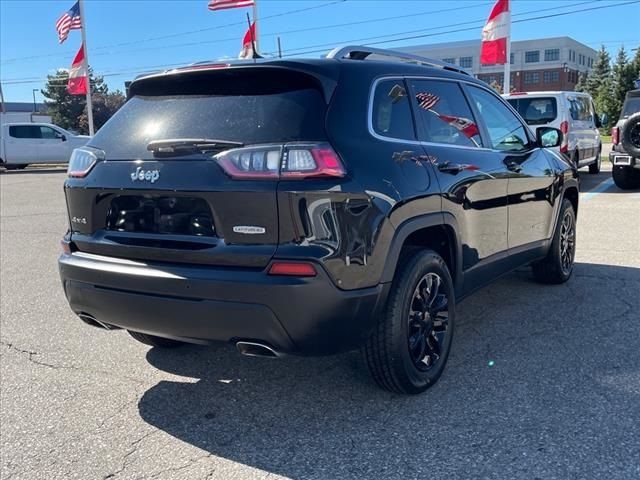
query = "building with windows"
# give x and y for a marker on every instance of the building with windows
(536, 65)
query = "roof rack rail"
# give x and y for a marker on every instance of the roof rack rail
(359, 52)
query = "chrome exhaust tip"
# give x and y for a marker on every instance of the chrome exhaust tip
(253, 349)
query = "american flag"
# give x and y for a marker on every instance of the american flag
(427, 100)
(70, 20)
(224, 4)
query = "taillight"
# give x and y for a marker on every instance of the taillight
(289, 161)
(253, 163)
(82, 161)
(564, 128)
(615, 135)
(292, 269)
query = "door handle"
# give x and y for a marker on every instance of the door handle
(448, 167)
(514, 167)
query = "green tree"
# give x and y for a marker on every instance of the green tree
(66, 109)
(601, 71)
(104, 106)
(581, 86)
(622, 76)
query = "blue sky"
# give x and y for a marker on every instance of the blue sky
(129, 37)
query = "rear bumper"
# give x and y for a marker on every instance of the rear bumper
(624, 159)
(202, 304)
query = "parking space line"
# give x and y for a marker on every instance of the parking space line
(600, 188)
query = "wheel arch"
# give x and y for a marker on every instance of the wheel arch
(437, 231)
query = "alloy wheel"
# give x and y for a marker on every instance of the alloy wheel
(428, 322)
(567, 242)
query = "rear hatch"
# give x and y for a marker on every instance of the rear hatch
(187, 171)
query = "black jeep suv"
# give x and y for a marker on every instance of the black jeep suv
(625, 137)
(310, 207)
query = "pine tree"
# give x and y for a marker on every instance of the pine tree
(622, 77)
(601, 71)
(581, 86)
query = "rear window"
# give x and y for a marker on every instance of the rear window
(254, 109)
(536, 111)
(631, 106)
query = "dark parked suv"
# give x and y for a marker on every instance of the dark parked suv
(310, 207)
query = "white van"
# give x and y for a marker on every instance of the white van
(22, 144)
(571, 112)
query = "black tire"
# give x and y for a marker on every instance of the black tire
(630, 135)
(154, 341)
(626, 178)
(394, 351)
(575, 159)
(594, 168)
(557, 266)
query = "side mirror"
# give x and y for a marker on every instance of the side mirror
(548, 137)
(597, 121)
(604, 120)
(63, 138)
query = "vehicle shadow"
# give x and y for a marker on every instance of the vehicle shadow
(599, 183)
(526, 389)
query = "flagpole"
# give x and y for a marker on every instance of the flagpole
(507, 64)
(255, 21)
(86, 66)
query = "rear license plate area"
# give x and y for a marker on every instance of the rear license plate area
(160, 214)
(622, 160)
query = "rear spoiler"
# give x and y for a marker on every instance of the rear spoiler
(325, 76)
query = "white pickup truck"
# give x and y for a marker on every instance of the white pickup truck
(22, 144)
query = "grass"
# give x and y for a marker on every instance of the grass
(605, 138)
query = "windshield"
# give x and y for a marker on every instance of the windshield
(536, 111)
(631, 106)
(246, 119)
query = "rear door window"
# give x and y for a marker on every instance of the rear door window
(536, 111)
(580, 109)
(25, 131)
(391, 112)
(246, 108)
(443, 114)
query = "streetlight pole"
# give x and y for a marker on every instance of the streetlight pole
(34, 99)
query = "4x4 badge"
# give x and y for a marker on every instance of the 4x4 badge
(145, 175)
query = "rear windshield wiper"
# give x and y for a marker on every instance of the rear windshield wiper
(183, 146)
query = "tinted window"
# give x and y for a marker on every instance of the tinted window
(580, 109)
(444, 115)
(505, 130)
(391, 115)
(536, 111)
(25, 131)
(49, 133)
(242, 107)
(631, 106)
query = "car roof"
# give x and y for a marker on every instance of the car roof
(546, 93)
(331, 65)
(633, 93)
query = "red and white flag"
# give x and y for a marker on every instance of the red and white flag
(224, 4)
(495, 35)
(248, 42)
(78, 75)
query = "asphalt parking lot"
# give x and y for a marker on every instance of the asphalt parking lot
(561, 399)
